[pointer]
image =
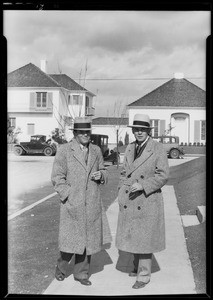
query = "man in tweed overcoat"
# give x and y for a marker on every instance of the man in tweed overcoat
(141, 225)
(77, 173)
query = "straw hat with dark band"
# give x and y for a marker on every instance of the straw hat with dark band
(82, 123)
(141, 120)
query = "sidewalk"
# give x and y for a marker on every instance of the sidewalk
(171, 270)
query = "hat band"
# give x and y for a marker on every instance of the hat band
(141, 123)
(82, 125)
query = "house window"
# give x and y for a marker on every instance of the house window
(41, 100)
(12, 122)
(76, 99)
(30, 128)
(69, 101)
(203, 130)
(155, 130)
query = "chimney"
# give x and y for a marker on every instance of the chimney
(178, 75)
(44, 65)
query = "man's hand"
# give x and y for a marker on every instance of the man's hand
(136, 187)
(96, 175)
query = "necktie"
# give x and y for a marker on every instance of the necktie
(85, 153)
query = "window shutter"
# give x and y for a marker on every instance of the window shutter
(49, 101)
(162, 127)
(196, 131)
(32, 100)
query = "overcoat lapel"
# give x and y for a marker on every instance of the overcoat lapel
(78, 153)
(147, 152)
(131, 153)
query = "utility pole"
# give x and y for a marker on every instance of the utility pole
(117, 147)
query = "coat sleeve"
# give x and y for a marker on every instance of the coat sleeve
(161, 175)
(59, 174)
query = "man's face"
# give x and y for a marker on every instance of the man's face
(83, 136)
(140, 133)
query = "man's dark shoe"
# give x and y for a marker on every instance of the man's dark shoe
(139, 284)
(59, 275)
(84, 281)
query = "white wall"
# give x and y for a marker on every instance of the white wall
(18, 107)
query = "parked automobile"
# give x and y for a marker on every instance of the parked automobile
(37, 144)
(101, 140)
(171, 145)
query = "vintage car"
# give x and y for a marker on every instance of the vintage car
(37, 144)
(171, 145)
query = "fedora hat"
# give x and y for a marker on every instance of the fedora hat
(82, 123)
(141, 120)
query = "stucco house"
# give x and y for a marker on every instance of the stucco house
(178, 107)
(39, 102)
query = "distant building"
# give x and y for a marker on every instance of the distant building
(178, 107)
(39, 102)
(109, 126)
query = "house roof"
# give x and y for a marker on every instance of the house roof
(67, 82)
(176, 93)
(110, 121)
(32, 76)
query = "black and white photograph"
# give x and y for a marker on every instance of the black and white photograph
(106, 151)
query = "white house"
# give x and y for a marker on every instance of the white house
(39, 102)
(178, 107)
(115, 128)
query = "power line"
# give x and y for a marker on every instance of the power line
(132, 79)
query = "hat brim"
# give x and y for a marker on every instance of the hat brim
(81, 129)
(140, 126)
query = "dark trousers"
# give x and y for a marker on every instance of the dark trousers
(82, 264)
(142, 266)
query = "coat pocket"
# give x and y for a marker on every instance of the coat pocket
(74, 211)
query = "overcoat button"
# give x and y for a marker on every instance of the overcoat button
(142, 176)
(139, 207)
(125, 206)
(127, 191)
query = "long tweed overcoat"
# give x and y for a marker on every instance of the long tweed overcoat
(83, 221)
(141, 224)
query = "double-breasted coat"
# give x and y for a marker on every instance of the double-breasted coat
(141, 224)
(83, 220)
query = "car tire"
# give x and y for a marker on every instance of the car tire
(48, 151)
(174, 153)
(18, 151)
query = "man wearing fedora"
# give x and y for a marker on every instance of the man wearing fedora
(141, 224)
(78, 170)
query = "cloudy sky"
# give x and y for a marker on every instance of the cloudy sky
(118, 55)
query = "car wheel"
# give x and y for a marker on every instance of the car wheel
(18, 151)
(48, 151)
(174, 153)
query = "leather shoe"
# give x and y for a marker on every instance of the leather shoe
(84, 281)
(59, 275)
(139, 284)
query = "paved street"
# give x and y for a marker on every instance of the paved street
(29, 182)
